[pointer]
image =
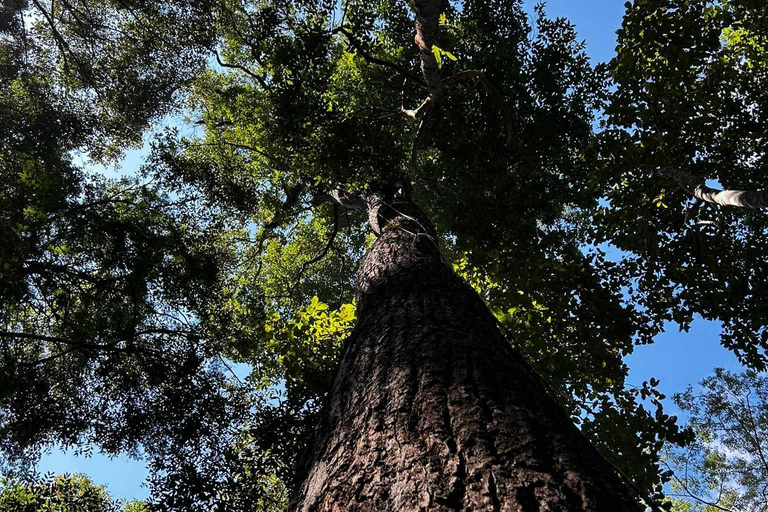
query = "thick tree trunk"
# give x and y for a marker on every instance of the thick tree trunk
(433, 410)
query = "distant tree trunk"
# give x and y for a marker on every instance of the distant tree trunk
(433, 410)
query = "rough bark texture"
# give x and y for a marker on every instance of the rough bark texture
(433, 410)
(427, 24)
(696, 186)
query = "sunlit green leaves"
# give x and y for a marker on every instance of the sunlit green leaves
(308, 345)
(63, 493)
(222, 250)
(439, 53)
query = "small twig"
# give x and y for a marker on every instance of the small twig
(325, 250)
(228, 367)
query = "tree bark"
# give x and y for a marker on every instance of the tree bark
(433, 410)
(427, 25)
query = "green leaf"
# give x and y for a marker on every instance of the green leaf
(436, 52)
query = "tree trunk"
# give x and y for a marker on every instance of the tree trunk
(433, 410)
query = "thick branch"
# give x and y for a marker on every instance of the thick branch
(696, 186)
(422, 110)
(365, 201)
(382, 210)
(347, 200)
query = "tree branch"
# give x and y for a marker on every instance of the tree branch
(65, 48)
(244, 69)
(691, 495)
(325, 250)
(292, 198)
(696, 186)
(104, 347)
(422, 110)
(344, 199)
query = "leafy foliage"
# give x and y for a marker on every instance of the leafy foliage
(689, 77)
(117, 299)
(62, 493)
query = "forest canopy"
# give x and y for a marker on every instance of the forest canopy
(130, 306)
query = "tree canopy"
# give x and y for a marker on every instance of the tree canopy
(727, 466)
(129, 304)
(75, 493)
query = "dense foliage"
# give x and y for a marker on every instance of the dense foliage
(129, 305)
(690, 77)
(75, 493)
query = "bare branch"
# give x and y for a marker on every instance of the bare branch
(422, 110)
(346, 200)
(697, 187)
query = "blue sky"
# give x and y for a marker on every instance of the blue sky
(676, 359)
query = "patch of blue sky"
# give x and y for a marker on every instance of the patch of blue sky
(133, 158)
(124, 477)
(713, 183)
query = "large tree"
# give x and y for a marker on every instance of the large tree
(313, 131)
